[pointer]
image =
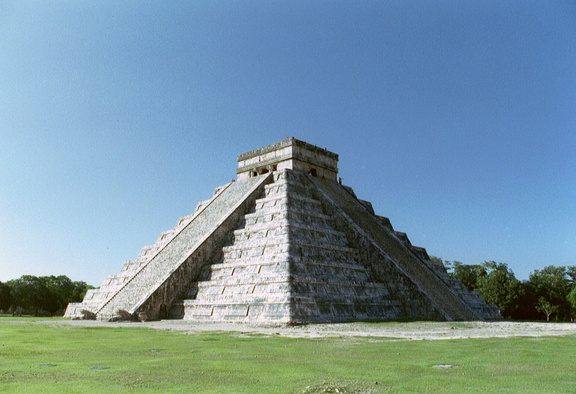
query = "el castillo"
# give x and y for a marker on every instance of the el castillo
(284, 243)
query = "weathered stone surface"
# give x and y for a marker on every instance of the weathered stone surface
(286, 243)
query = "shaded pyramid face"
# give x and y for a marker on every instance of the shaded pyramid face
(287, 263)
(285, 243)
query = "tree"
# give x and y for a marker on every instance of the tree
(5, 296)
(551, 285)
(62, 291)
(499, 286)
(79, 291)
(46, 293)
(468, 274)
(572, 301)
(30, 293)
(546, 307)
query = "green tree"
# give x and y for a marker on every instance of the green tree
(46, 293)
(552, 285)
(468, 274)
(30, 293)
(80, 289)
(5, 296)
(63, 290)
(499, 286)
(546, 307)
(572, 301)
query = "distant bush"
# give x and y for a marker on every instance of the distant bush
(41, 296)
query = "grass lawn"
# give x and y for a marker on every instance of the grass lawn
(41, 358)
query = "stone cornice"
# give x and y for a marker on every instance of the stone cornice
(285, 143)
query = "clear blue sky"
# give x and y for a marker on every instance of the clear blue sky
(456, 119)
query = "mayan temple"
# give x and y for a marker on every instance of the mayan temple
(283, 243)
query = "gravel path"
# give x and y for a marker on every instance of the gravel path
(409, 330)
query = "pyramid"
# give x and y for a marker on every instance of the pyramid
(285, 242)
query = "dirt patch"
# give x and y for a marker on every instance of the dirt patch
(408, 330)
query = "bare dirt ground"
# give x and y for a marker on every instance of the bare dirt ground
(408, 330)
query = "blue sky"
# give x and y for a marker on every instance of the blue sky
(456, 119)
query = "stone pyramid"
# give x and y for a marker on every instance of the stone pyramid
(284, 243)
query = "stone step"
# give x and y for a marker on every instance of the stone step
(269, 312)
(347, 293)
(240, 294)
(323, 249)
(287, 214)
(320, 256)
(324, 238)
(327, 280)
(251, 273)
(335, 271)
(282, 228)
(328, 312)
(253, 259)
(270, 242)
(273, 242)
(268, 274)
(282, 184)
(251, 282)
(247, 279)
(263, 250)
(283, 265)
(250, 234)
(244, 299)
(283, 198)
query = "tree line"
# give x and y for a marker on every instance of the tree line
(44, 295)
(549, 293)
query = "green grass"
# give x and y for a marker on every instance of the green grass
(43, 358)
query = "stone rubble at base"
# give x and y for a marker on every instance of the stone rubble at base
(284, 243)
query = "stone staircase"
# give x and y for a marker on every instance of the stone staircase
(153, 287)
(96, 298)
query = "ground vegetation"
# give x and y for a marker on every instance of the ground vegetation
(63, 357)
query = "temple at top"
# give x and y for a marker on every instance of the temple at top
(289, 154)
